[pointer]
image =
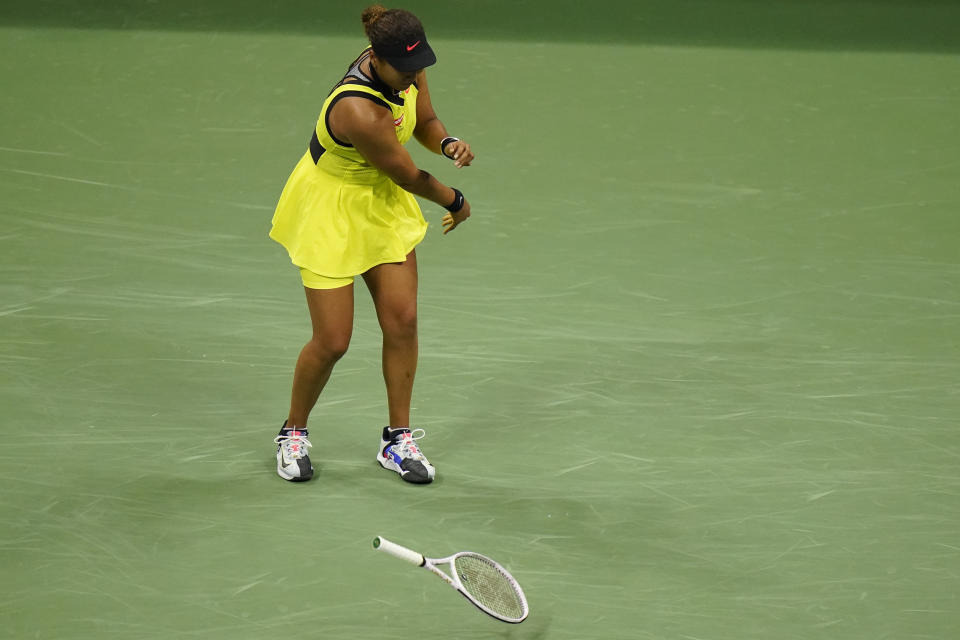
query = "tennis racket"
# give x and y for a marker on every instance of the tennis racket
(482, 581)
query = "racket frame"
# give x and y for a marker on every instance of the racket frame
(453, 579)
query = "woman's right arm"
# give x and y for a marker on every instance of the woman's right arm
(370, 129)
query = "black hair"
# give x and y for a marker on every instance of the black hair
(389, 29)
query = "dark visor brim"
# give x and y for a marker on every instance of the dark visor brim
(419, 60)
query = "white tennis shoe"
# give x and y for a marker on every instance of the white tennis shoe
(293, 459)
(399, 452)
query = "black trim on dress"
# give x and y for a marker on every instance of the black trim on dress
(349, 94)
(316, 149)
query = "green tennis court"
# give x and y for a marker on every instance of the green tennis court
(690, 371)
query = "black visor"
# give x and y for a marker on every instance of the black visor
(408, 56)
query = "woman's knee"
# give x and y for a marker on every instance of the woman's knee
(331, 346)
(401, 321)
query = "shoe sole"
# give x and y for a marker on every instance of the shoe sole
(290, 478)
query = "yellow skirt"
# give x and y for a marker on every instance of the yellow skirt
(340, 219)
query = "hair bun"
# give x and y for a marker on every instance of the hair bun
(372, 13)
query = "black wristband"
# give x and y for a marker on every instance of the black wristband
(458, 201)
(445, 142)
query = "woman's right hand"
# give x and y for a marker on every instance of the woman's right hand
(452, 220)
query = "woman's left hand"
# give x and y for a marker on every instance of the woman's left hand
(451, 221)
(459, 152)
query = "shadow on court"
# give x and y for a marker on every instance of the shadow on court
(881, 25)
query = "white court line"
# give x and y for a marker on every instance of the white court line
(34, 151)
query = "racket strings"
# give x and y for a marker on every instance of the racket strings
(490, 586)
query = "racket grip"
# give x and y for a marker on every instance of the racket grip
(382, 544)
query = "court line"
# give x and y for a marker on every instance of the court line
(34, 152)
(120, 187)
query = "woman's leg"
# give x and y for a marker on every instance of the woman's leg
(394, 290)
(331, 314)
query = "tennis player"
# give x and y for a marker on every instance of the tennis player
(348, 210)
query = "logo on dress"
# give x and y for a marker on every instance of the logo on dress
(398, 121)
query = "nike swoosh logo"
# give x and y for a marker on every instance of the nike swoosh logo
(413, 46)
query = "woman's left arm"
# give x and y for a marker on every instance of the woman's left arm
(431, 133)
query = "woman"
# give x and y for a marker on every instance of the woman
(348, 209)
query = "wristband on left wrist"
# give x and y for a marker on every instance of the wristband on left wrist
(458, 201)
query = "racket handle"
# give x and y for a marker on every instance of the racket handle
(382, 544)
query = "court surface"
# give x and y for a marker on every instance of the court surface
(690, 371)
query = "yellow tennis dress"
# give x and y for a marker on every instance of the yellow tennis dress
(338, 215)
